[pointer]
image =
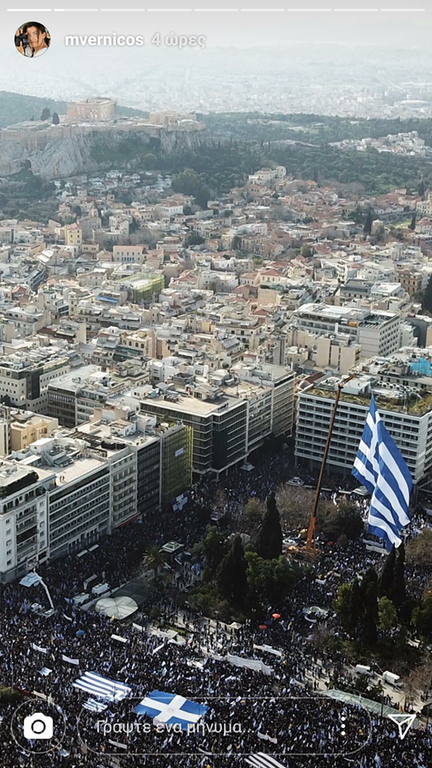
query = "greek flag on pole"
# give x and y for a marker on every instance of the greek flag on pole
(380, 466)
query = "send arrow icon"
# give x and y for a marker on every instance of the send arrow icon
(403, 722)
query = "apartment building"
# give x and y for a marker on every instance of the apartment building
(218, 423)
(72, 398)
(231, 413)
(26, 427)
(23, 517)
(25, 378)
(407, 416)
(277, 384)
(377, 331)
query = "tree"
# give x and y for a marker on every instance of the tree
(356, 606)
(342, 606)
(369, 591)
(193, 238)
(253, 512)
(386, 579)
(420, 679)
(422, 189)
(231, 578)
(215, 547)
(349, 606)
(45, 114)
(419, 550)
(307, 251)
(367, 227)
(236, 242)
(295, 505)
(154, 559)
(149, 161)
(269, 581)
(399, 588)
(387, 615)
(55, 118)
(422, 616)
(427, 297)
(189, 182)
(413, 222)
(339, 521)
(269, 540)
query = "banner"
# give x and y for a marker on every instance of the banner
(69, 660)
(256, 664)
(267, 737)
(159, 648)
(38, 648)
(268, 649)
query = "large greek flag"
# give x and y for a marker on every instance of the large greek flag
(107, 689)
(171, 709)
(380, 466)
(261, 760)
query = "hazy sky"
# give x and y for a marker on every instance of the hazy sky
(316, 29)
(244, 23)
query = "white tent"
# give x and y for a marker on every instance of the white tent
(119, 607)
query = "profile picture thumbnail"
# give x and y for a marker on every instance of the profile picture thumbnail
(32, 39)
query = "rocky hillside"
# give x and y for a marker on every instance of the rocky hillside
(90, 151)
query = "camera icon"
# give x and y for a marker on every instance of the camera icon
(38, 726)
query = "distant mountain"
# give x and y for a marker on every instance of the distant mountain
(16, 107)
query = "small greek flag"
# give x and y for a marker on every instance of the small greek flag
(379, 465)
(95, 706)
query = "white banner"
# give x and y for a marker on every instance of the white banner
(38, 648)
(69, 660)
(255, 664)
(117, 744)
(266, 737)
(159, 648)
(268, 649)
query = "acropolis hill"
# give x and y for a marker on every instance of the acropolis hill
(91, 136)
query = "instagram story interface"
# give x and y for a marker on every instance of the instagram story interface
(216, 385)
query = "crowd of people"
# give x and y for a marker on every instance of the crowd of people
(283, 713)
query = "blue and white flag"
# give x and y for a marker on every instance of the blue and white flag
(107, 689)
(261, 760)
(95, 706)
(180, 501)
(171, 709)
(380, 466)
(45, 671)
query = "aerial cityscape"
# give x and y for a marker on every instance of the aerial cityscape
(216, 397)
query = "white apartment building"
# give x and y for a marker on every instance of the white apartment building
(424, 207)
(24, 378)
(23, 517)
(409, 423)
(378, 332)
(128, 254)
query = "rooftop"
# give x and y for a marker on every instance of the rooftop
(402, 400)
(191, 405)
